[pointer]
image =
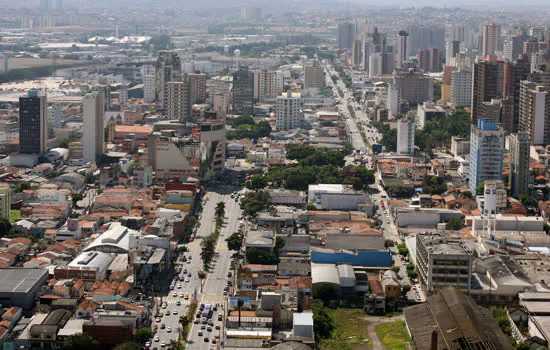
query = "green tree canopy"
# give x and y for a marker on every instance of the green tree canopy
(235, 241)
(128, 346)
(143, 335)
(80, 342)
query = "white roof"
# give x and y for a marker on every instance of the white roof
(327, 187)
(73, 326)
(97, 260)
(324, 273)
(302, 318)
(117, 236)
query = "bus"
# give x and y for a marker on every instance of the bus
(207, 312)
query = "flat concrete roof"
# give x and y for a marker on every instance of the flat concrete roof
(20, 280)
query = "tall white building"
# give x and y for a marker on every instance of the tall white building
(461, 87)
(534, 112)
(491, 39)
(288, 111)
(5, 201)
(92, 129)
(149, 83)
(376, 61)
(268, 85)
(405, 136)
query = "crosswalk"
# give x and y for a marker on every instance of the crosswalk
(212, 299)
(183, 302)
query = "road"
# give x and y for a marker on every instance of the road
(212, 286)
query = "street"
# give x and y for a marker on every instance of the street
(214, 283)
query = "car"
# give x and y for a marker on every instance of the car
(158, 319)
(203, 327)
(189, 261)
(196, 321)
(210, 323)
(217, 326)
(169, 329)
(162, 326)
(187, 280)
(185, 271)
(224, 292)
(179, 286)
(209, 329)
(167, 313)
(213, 340)
(199, 314)
(175, 294)
(181, 295)
(157, 339)
(175, 312)
(186, 297)
(163, 344)
(147, 344)
(178, 303)
(206, 340)
(200, 334)
(204, 320)
(189, 274)
(220, 317)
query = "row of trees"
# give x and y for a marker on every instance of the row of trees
(208, 244)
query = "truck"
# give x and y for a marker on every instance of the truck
(207, 312)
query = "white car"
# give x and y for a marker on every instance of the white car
(163, 344)
(174, 294)
(187, 280)
(157, 339)
(169, 329)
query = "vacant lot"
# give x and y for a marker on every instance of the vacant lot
(350, 330)
(393, 335)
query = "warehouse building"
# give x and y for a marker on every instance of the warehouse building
(20, 287)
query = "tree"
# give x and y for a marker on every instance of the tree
(398, 191)
(410, 267)
(64, 143)
(411, 274)
(235, 241)
(454, 224)
(395, 269)
(5, 227)
(263, 129)
(480, 188)
(128, 346)
(80, 342)
(527, 201)
(467, 194)
(323, 325)
(220, 209)
(254, 202)
(256, 182)
(325, 292)
(389, 243)
(76, 197)
(89, 179)
(406, 288)
(143, 335)
(300, 152)
(260, 256)
(311, 207)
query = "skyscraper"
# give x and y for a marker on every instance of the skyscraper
(402, 48)
(268, 84)
(514, 73)
(346, 35)
(178, 102)
(198, 87)
(534, 112)
(491, 39)
(93, 107)
(33, 123)
(357, 52)
(487, 84)
(453, 48)
(405, 136)
(519, 163)
(513, 47)
(461, 87)
(5, 201)
(486, 153)
(243, 92)
(429, 60)
(314, 76)
(288, 111)
(168, 69)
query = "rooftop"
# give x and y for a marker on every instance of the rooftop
(20, 280)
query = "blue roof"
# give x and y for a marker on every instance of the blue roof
(366, 258)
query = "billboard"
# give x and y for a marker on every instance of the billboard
(234, 300)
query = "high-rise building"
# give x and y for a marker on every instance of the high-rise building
(402, 48)
(487, 84)
(514, 73)
(429, 60)
(149, 83)
(33, 123)
(346, 35)
(410, 88)
(530, 47)
(451, 50)
(513, 47)
(268, 84)
(288, 111)
(178, 103)
(405, 136)
(375, 64)
(93, 134)
(461, 87)
(491, 39)
(534, 112)
(168, 69)
(198, 87)
(5, 201)
(357, 52)
(252, 14)
(314, 76)
(243, 92)
(519, 163)
(368, 49)
(486, 152)
(424, 37)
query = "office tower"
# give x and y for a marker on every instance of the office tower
(537, 33)
(93, 133)
(486, 153)
(243, 92)
(33, 123)
(252, 14)
(357, 52)
(402, 48)
(368, 48)
(149, 88)
(487, 83)
(534, 110)
(388, 62)
(405, 136)
(491, 39)
(288, 111)
(454, 32)
(198, 87)
(519, 163)
(178, 103)
(421, 38)
(409, 88)
(375, 64)
(314, 76)
(514, 73)
(461, 87)
(346, 35)
(5, 201)
(530, 47)
(451, 50)
(168, 69)
(430, 60)
(513, 47)
(123, 96)
(268, 84)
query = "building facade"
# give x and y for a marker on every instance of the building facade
(288, 111)
(461, 88)
(519, 163)
(268, 84)
(534, 109)
(93, 133)
(243, 92)
(178, 102)
(405, 136)
(33, 123)
(491, 39)
(486, 153)
(314, 77)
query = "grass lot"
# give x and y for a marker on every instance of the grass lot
(394, 335)
(348, 323)
(14, 215)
